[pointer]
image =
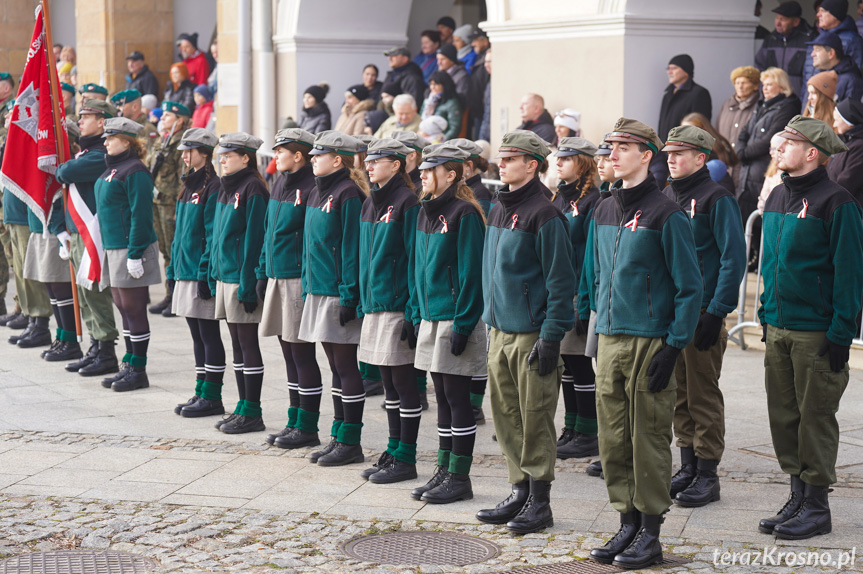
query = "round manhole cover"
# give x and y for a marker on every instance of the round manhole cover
(414, 548)
(76, 562)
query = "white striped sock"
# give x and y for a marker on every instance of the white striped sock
(354, 398)
(411, 413)
(310, 392)
(466, 431)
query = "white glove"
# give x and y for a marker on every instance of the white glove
(64, 238)
(135, 267)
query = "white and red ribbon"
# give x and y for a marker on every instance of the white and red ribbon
(90, 268)
(111, 175)
(298, 201)
(514, 221)
(236, 200)
(634, 223)
(445, 228)
(802, 214)
(328, 206)
(196, 197)
(386, 216)
(692, 209)
(574, 208)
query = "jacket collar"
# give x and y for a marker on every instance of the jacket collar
(570, 191)
(689, 185)
(525, 193)
(326, 183)
(473, 179)
(91, 143)
(627, 197)
(684, 87)
(119, 158)
(773, 100)
(232, 182)
(291, 179)
(434, 206)
(382, 195)
(854, 133)
(195, 178)
(805, 184)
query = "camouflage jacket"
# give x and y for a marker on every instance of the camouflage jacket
(149, 137)
(171, 167)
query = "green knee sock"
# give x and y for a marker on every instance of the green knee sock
(585, 425)
(126, 358)
(137, 361)
(422, 384)
(252, 409)
(476, 399)
(307, 421)
(350, 433)
(334, 430)
(406, 453)
(67, 336)
(292, 417)
(240, 407)
(392, 445)
(211, 391)
(199, 384)
(369, 372)
(569, 420)
(460, 464)
(443, 458)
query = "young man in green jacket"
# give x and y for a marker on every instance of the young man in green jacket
(528, 286)
(813, 285)
(648, 297)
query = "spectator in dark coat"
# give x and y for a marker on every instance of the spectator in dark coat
(535, 117)
(785, 47)
(827, 55)
(427, 58)
(180, 88)
(735, 112)
(778, 105)
(405, 73)
(315, 117)
(370, 81)
(485, 124)
(140, 77)
(682, 96)
(846, 168)
(447, 61)
(832, 16)
(479, 80)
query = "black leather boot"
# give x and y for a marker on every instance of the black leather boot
(54, 345)
(225, 420)
(372, 387)
(565, 436)
(683, 477)
(191, 401)
(630, 523)
(65, 351)
(766, 525)
(9, 317)
(86, 359)
(203, 408)
(136, 378)
(508, 508)
(19, 322)
(124, 368)
(704, 488)
(384, 461)
(161, 305)
(396, 471)
(242, 424)
(440, 473)
(536, 512)
(342, 454)
(39, 335)
(595, 469)
(453, 488)
(811, 519)
(271, 438)
(324, 451)
(297, 439)
(645, 548)
(104, 363)
(582, 446)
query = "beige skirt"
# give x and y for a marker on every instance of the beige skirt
(186, 303)
(283, 310)
(230, 308)
(114, 268)
(434, 354)
(592, 338)
(381, 344)
(573, 344)
(320, 322)
(42, 261)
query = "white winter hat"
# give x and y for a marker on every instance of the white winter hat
(149, 101)
(433, 126)
(464, 32)
(568, 117)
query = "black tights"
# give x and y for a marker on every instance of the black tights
(402, 402)
(132, 304)
(62, 305)
(247, 356)
(349, 396)
(304, 375)
(579, 388)
(209, 350)
(455, 420)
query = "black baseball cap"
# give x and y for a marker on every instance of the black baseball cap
(790, 9)
(136, 55)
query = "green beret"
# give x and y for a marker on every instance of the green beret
(176, 108)
(5, 76)
(634, 131)
(67, 87)
(93, 89)
(684, 138)
(815, 132)
(125, 97)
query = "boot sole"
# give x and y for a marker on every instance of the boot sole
(819, 532)
(53, 359)
(566, 455)
(766, 530)
(411, 476)
(650, 562)
(699, 504)
(497, 520)
(198, 414)
(75, 367)
(517, 530)
(242, 431)
(127, 389)
(356, 459)
(104, 371)
(602, 560)
(467, 496)
(311, 442)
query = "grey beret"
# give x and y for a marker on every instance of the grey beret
(239, 140)
(331, 141)
(387, 147)
(294, 135)
(575, 146)
(410, 139)
(198, 137)
(437, 154)
(122, 126)
(470, 146)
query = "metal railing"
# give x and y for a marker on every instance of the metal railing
(736, 333)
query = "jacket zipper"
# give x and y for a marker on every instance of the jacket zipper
(239, 265)
(649, 300)
(297, 250)
(701, 268)
(395, 283)
(613, 263)
(776, 269)
(123, 222)
(451, 283)
(527, 301)
(336, 262)
(273, 237)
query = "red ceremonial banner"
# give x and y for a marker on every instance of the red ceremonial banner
(31, 146)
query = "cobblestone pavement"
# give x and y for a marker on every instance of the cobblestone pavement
(85, 468)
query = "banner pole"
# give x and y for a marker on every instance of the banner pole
(58, 116)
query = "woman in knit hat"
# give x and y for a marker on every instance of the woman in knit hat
(461, 40)
(735, 112)
(315, 115)
(352, 120)
(203, 107)
(822, 89)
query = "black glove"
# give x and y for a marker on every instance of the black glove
(204, 290)
(838, 354)
(250, 306)
(346, 315)
(457, 343)
(261, 288)
(580, 327)
(408, 334)
(764, 333)
(708, 329)
(417, 330)
(171, 284)
(662, 367)
(548, 353)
